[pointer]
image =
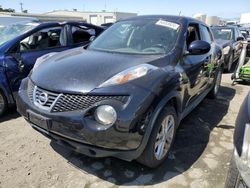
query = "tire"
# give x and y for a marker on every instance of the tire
(3, 103)
(216, 86)
(151, 156)
(233, 175)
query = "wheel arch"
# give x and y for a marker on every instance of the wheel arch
(172, 98)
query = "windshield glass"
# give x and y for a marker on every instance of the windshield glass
(146, 36)
(225, 34)
(9, 32)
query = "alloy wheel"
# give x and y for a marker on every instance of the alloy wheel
(164, 137)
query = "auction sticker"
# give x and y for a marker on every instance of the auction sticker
(165, 23)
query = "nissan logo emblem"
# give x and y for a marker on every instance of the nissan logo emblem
(42, 98)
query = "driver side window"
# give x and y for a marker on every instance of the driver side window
(192, 34)
(43, 39)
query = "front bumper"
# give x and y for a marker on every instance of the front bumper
(78, 132)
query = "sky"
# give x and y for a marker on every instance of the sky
(221, 8)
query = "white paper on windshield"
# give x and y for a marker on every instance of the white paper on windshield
(165, 23)
(226, 30)
(32, 24)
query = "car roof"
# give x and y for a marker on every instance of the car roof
(57, 24)
(225, 26)
(178, 19)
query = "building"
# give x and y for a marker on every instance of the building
(200, 16)
(209, 20)
(43, 18)
(96, 18)
(245, 18)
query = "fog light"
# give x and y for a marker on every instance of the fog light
(105, 115)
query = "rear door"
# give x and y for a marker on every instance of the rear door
(23, 57)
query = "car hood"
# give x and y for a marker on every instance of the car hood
(223, 43)
(80, 71)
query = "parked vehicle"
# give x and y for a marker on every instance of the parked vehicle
(134, 84)
(239, 171)
(106, 25)
(23, 42)
(229, 37)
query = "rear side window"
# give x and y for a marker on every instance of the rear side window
(81, 34)
(205, 33)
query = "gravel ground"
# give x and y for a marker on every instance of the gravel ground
(200, 156)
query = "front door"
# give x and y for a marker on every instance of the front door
(21, 61)
(195, 67)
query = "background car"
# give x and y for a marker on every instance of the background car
(134, 84)
(239, 171)
(229, 37)
(22, 43)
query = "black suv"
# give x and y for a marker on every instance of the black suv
(124, 95)
(229, 37)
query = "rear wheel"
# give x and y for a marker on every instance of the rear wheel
(3, 103)
(161, 139)
(215, 90)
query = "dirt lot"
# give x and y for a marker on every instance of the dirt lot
(200, 157)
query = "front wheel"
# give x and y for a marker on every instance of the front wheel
(3, 103)
(215, 90)
(161, 139)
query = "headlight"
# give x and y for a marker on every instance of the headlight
(226, 50)
(129, 74)
(42, 59)
(105, 115)
(243, 161)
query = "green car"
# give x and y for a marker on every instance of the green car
(245, 72)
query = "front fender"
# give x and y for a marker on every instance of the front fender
(157, 110)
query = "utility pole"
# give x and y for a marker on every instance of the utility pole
(105, 6)
(21, 4)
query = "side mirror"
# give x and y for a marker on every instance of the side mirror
(240, 38)
(199, 47)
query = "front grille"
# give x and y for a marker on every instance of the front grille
(30, 90)
(60, 102)
(51, 98)
(68, 102)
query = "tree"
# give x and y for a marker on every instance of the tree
(6, 9)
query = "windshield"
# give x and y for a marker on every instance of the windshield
(146, 36)
(9, 32)
(225, 34)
